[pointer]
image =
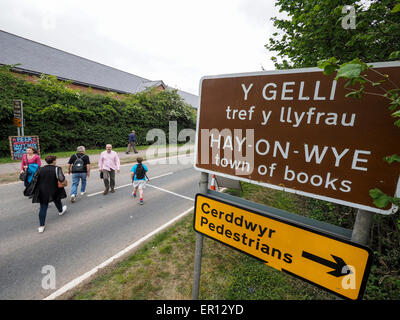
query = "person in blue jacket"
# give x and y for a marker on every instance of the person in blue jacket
(138, 175)
(131, 142)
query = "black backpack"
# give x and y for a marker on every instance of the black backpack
(78, 165)
(140, 172)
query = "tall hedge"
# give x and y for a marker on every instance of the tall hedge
(64, 118)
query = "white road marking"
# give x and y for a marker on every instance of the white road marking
(94, 194)
(129, 184)
(72, 284)
(176, 194)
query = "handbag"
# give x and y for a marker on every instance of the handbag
(22, 176)
(59, 183)
(101, 175)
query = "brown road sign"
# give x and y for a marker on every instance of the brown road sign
(328, 261)
(294, 130)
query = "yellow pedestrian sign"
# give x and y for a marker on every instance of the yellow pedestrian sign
(326, 260)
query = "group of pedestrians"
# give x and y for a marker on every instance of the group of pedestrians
(47, 184)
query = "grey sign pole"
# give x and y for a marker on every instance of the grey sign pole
(22, 119)
(199, 245)
(19, 114)
(362, 227)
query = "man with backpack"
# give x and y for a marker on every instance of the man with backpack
(138, 175)
(79, 165)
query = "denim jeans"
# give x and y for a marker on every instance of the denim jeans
(75, 182)
(43, 211)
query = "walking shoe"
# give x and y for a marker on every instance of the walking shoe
(105, 192)
(72, 198)
(83, 193)
(112, 190)
(41, 229)
(63, 211)
(141, 201)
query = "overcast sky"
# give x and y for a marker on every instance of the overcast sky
(177, 41)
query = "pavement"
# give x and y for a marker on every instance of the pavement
(151, 152)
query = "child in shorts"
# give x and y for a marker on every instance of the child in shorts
(138, 175)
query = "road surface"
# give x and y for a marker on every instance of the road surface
(93, 229)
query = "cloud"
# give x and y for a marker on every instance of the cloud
(175, 41)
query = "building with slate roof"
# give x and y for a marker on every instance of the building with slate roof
(36, 58)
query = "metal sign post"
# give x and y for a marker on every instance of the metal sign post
(19, 117)
(362, 227)
(22, 120)
(199, 245)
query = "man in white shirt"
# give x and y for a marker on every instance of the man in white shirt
(109, 163)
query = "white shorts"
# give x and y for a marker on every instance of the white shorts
(140, 184)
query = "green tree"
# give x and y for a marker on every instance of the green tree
(314, 32)
(313, 35)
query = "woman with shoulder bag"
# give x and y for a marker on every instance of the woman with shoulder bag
(50, 188)
(28, 165)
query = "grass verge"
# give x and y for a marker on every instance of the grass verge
(163, 269)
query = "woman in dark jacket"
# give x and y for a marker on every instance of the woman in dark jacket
(47, 190)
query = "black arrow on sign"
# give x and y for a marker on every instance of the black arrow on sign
(337, 266)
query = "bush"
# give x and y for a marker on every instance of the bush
(64, 118)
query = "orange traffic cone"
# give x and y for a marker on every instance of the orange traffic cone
(212, 186)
